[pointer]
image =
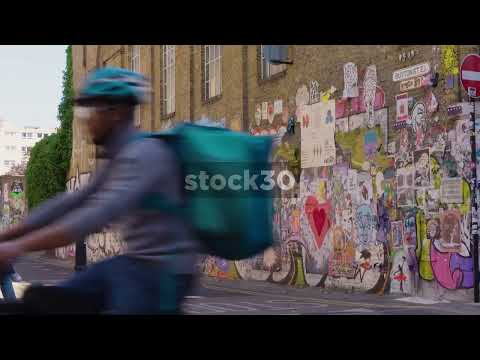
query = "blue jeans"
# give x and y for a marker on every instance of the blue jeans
(6, 286)
(123, 285)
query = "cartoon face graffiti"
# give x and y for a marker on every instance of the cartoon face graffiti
(450, 231)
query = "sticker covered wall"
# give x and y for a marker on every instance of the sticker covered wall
(384, 166)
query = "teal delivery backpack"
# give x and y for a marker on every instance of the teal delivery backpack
(229, 212)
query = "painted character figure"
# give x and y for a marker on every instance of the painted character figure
(365, 265)
(399, 275)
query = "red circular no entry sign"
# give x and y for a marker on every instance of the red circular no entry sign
(470, 75)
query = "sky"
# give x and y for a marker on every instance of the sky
(31, 84)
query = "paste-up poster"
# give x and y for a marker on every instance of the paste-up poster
(341, 125)
(352, 184)
(365, 188)
(350, 80)
(278, 107)
(420, 195)
(402, 110)
(318, 139)
(422, 167)
(451, 190)
(264, 110)
(450, 231)
(405, 189)
(397, 233)
(369, 91)
(314, 92)
(432, 199)
(391, 148)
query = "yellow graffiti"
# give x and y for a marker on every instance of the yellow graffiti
(322, 192)
(449, 60)
(465, 206)
(423, 249)
(437, 177)
(354, 142)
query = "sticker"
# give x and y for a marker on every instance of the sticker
(412, 84)
(278, 107)
(410, 72)
(402, 110)
(314, 92)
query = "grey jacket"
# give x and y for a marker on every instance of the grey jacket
(115, 194)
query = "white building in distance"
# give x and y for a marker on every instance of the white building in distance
(16, 143)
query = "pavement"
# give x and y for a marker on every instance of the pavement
(213, 296)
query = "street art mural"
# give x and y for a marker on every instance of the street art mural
(390, 210)
(13, 201)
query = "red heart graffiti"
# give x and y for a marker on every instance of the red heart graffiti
(318, 218)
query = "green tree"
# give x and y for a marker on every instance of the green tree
(49, 163)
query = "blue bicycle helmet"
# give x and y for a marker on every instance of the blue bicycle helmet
(115, 85)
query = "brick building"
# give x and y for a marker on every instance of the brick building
(388, 234)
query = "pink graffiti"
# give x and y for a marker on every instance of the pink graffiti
(357, 106)
(451, 270)
(318, 218)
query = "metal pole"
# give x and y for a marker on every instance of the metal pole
(80, 255)
(474, 244)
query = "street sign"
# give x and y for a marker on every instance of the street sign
(470, 75)
(410, 72)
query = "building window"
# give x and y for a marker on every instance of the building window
(39, 135)
(24, 135)
(29, 135)
(267, 70)
(135, 66)
(168, 79)
(212, 71)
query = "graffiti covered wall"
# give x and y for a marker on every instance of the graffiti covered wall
(100, 245)
(383, 196)
(13, 202)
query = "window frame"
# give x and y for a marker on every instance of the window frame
(261, 68)
(168, 80)
(207, 63)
